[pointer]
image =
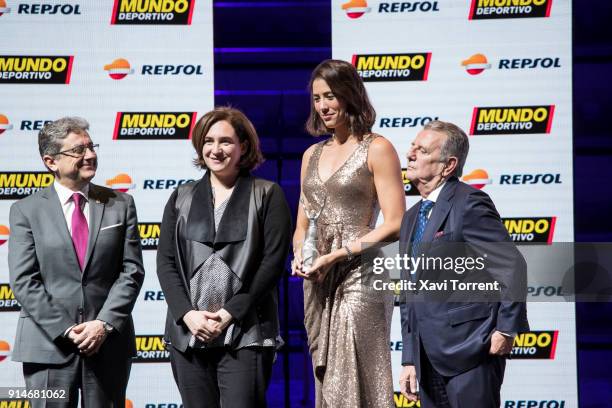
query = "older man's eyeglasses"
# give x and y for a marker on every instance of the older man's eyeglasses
(79, 150)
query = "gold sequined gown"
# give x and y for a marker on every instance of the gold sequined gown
(348, 324)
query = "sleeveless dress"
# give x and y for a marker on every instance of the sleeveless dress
(347, 322)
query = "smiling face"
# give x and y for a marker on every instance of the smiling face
(73, 170)
(222, 149)
(328, 107)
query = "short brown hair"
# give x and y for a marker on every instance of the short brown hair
(251, 158)
(344, 81)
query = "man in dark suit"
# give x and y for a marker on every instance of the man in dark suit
(456, 349)
(75, 266)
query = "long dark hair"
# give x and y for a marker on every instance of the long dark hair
(345, 83)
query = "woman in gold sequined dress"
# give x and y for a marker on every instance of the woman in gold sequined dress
(346, 180)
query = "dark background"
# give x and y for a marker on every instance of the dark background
(264, 53)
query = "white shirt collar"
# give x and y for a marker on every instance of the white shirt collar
(433, 196)
(65, 194)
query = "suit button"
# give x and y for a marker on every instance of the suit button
(80, 310)
(84, 284)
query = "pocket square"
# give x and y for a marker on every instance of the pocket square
(438, 234)
(111, 226)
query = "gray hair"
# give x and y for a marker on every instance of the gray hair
(51, 135)
(456, 144)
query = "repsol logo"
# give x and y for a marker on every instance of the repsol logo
(33, 124)
(396, 345)
(531, 230)
(392, 67)
(536, 345)
(154, 12)
(37, 8)
(172, 70)
(504, 120)
(535, 404)
(517, 179)
(409, 189)
(8, 303)
(402, 402)
(408, 7)
(5, 124)
(164, 405)
(20, 69)
(492, 9)
(164, 184)
(19, 184)
(530, 63)
(544, 291)
(153, 295)
(149, 234)
(14, 403)
(153, 125)
(402, 122)
(151, 349)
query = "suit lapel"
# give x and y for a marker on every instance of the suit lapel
(411, 219)
(234, 222)
(440, 209)
(200, 225)
(96, 210)
(55, 215)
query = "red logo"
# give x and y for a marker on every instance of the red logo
(4, 234)
(356, 8)
(121, 182)
(476, 64)
(4, 124)
(3, 8)
(119, 69)
(5, 350)
(477, 179)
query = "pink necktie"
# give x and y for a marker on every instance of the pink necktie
(80, 230)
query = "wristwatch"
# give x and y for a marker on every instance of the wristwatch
(108, 328)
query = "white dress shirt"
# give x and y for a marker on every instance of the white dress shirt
(433, 196)
(65, 197)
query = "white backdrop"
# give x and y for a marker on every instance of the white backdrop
(444, 59)
(125, 61)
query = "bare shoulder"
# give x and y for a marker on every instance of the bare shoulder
(309, 152)
(380, 148)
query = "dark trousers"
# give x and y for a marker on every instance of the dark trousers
(219, 377)
(478, 387)
(102, 384)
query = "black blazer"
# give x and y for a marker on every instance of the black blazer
(456, 335)
(253, 239)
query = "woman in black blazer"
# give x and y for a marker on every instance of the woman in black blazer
(223, 244)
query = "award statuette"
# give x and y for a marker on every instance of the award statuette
(309, 249)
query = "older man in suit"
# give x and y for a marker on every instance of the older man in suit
(75, 266)
(457, 349)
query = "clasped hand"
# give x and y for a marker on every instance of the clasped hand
(88, 336)
(316, 272)
(205, 325)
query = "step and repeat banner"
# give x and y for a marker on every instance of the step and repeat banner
(501, 70)
(140, 72)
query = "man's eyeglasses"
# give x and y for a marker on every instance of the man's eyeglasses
(80, 149)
